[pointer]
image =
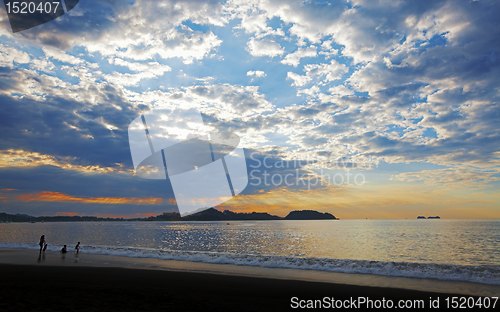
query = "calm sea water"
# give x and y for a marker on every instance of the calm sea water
(467, 250)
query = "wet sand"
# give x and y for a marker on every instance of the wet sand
(109, 283)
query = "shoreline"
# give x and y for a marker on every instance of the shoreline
(59, 288)
(416, 276)
(87, 282)
(30, 257)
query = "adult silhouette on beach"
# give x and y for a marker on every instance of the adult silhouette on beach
(42, 242)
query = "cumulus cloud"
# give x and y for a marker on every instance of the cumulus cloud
(326, 72)
(138, 31)
(143, 70)
(264, 47)
(452, 177)
(24, 159)
(256, 73)
(293, 59)
(9, 56)
(298, 80)
(340, 91)
(229, 101)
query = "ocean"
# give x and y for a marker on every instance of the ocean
(457, 250)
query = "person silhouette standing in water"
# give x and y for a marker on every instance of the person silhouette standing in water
(42, 242)
(77, 247)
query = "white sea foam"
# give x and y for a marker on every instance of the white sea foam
(488, 274)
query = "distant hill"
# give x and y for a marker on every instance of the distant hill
(5, 217)
(23, 215)
(210, 214)
(309, 215)
(250, 216)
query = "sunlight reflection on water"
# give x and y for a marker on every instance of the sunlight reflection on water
(463, 242)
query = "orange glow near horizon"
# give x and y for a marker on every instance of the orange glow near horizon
(47, 196)
(145, 215)
(397, 201)
(66, 213)
(372, 202)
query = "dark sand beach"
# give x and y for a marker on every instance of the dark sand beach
(103, 283)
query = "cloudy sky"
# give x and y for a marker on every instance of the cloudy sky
(399, 97)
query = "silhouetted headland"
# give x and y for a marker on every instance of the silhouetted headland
(210, 214)
(309, 215)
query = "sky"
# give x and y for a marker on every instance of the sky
(373, 109)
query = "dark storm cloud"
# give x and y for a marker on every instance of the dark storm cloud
(75, 183)
(64, 127)
(32, 181)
